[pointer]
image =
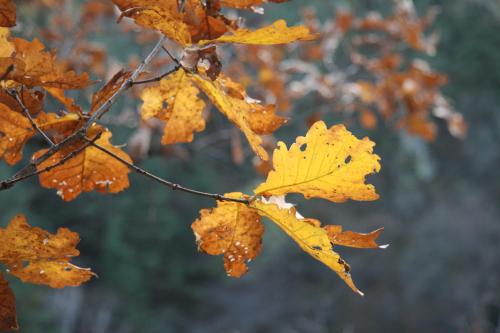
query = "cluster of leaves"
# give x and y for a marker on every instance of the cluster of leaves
(328, 163)
(384, 77)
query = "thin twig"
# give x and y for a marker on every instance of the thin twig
(173, 186)
(7, 72)
(174, 59)
(159, 77)
(125, 85)
(101, 110)
(15, 95)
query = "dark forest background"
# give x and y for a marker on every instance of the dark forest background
(440, 206)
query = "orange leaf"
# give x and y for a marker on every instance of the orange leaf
(109, 89)
(157, 14)
(231, 229)
(36, 256)
(353, 239)
(7, 13)
(91, 169)
(8, 317)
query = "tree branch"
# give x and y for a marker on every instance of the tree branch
(159, 77)
(15, 95)
(173, 186)
(6, 184)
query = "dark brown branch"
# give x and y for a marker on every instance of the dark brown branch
(7, 72)
(159, 77)
(15, 95)
(173, 186)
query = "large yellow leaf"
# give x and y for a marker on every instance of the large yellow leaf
(8, 317)
(36, 256)
(183, 113)
(326, 163)
(91, 169)
(231, 229)
(251, 117)
(276, 33)
(308, 235)
(157, 14)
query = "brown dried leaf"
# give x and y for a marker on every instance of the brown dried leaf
(8, 317)
(231, 229)
(36, 256)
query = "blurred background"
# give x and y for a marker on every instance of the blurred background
(439, 194)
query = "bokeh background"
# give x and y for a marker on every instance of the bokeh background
(439, 205)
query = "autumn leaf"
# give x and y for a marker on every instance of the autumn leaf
(157, 14)
(251, 117)
(353, 239)
(233, 230)
(308, 235)
(8, 317)
(67, 102)
(6, 47)
(109, 89)
(7, 13)
(276, 33)
(327, 163)
(16, 130)
(183, 113)
(41, 68)
(246, 4)
(36, 256)
(91, 169)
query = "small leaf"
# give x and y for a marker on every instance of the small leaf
(231, 229)
(327, 163)
(353, 239)
(36, 256)
(91, 169)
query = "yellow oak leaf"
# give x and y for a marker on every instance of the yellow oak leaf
(308, 235)
(276, 33)
(233, 230)
(7, 13)
(36, 256)
(157, 14)
(251, 117)
(327, 163)
(184, 109)
(91, 169)
(8, 316)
